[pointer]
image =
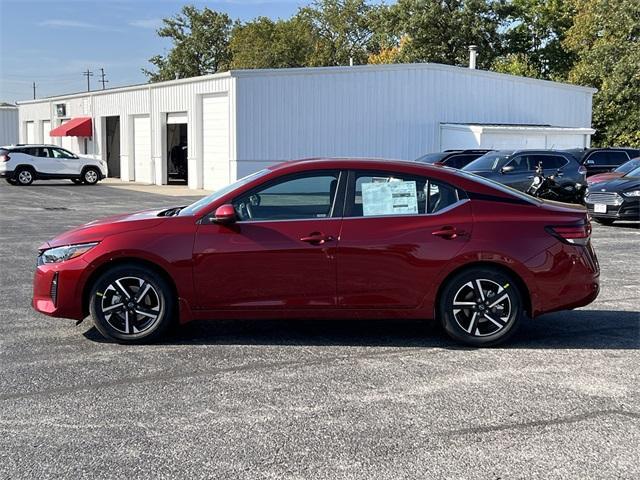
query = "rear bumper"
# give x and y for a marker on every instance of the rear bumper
(571, 279)
(6, 174)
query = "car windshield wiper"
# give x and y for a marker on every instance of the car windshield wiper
(171, 212)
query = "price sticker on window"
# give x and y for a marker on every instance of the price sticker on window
(389, 198)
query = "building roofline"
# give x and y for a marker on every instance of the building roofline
(317, 71)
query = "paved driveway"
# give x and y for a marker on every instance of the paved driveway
(287, 399)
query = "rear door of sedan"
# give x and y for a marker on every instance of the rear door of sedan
(398, 233)
(280, 253)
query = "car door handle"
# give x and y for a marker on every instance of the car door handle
(448, 233)
(317, 238)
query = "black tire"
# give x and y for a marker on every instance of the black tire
(11, 181)
(77, 181)
(24, 176)
(107, 293)
(604, 221)
(472, 325)
(90, 175)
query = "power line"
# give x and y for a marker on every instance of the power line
(88, 74)
(102, 79)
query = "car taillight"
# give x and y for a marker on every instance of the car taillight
(572, 234)
(582, 170)
(4, 157)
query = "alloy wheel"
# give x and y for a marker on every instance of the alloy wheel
(131, 305)
(91, 176)
(25, 177)
(482, 307)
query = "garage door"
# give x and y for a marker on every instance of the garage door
(215, 144)
(46, 128)
(142, 149)
(30, 133)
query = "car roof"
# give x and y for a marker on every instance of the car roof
(349, 162)
(28, 145)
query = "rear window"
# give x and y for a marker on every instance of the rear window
(500, 186)
(489, 161)
(432, 157)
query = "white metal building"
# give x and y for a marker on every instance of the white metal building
(8, 124)
(236, 122)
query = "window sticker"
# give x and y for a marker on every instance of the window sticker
(389, 198)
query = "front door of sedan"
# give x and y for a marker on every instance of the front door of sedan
(398, 233)
(280, 253)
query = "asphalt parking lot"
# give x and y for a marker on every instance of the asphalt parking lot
(286, 399)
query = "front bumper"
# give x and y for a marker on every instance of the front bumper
(6, 174)
(57, 289)
(628, 210)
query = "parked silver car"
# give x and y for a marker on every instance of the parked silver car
(516, 168)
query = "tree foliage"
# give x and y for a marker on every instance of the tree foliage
(264, 43)
(200, 45)
(441, 31)
(605, 38)
(588, 42)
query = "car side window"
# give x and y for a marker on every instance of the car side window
(60, 153)
(522, 163)
(307, 196)
(607, 158)
(617, 158)
(398, 194)
(549, 162)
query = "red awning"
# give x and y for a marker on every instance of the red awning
(76, 127)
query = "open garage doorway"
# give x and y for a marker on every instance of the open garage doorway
(177, 164)
(112, 138)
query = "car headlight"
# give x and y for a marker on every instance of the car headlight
(632, 193)
(60, 254)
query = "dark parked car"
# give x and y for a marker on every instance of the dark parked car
(452, 158)
(328, 239)
(602, 160)
(516, 168)
(617, 199)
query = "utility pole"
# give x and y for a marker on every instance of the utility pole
(88, 74)
(102, 79)
(34, 90)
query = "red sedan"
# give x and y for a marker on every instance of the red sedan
(328, 239)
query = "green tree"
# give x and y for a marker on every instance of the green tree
(533, 32)
(200, 45)
(440, 31)
(343, 28)
(605, 37)
(264, 43)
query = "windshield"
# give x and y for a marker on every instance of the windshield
(634, 173)
(628, 166)
(499, 186)
(194, 207)
(489, 161)
(431, 157)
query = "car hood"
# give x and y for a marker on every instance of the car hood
(603, 177)
(617, 185)
(99, 229)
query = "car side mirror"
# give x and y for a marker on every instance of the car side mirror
(225, 214)
(507, 169)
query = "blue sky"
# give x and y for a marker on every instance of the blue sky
(52, 41)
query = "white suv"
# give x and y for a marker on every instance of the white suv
(22, 164)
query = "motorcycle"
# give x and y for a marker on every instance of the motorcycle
(549, 188)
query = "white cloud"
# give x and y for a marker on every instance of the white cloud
(58, 23)
(146, 23)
